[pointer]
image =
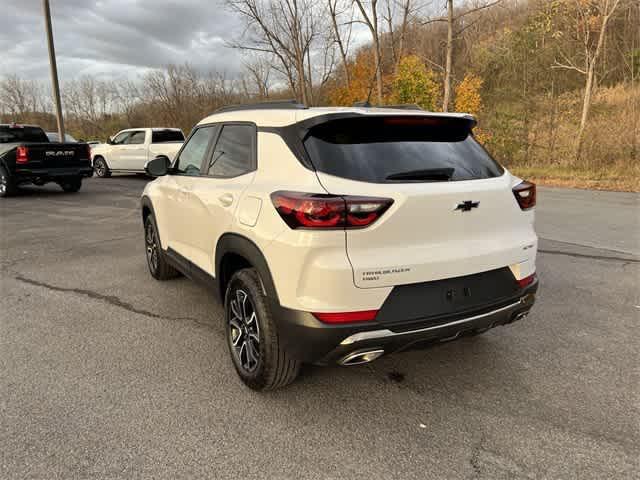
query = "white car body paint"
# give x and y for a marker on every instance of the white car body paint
(132, 157)
(420, 238)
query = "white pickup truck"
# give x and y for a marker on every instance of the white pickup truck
(129, 150)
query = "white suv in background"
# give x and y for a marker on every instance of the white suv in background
(128, 151)
(336, 235)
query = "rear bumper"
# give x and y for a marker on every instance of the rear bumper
(51, 174)
(312, 341)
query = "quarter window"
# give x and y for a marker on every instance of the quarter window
(233, 155)
(193, 152)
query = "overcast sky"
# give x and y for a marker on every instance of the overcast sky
(116, 38)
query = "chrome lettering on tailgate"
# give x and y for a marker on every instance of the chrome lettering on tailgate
(373, 275)
(59, 153)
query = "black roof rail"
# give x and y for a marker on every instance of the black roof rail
(272, 104)
(404, 106)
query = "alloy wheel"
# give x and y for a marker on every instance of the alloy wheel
(152, 247)
(3, 183)
(100, 168)
(244, 331)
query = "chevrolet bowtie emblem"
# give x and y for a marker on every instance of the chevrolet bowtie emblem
(467, 205)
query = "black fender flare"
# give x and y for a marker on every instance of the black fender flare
(241, 245)
(146, 202)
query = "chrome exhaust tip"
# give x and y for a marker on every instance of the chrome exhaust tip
(358, 358)
(519, 316)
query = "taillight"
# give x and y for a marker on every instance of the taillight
(347, 317)
(310, 210)
(525, 193)
(88, 151)
(526, 281)
(22, 155)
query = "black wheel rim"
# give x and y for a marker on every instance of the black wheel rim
(244, 331)
(152, 247)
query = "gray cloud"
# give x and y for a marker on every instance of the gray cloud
(117, 38)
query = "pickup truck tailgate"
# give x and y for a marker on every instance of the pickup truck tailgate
(51, 156)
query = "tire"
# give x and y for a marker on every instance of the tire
(71, 185)
(257, 355)
(7, 184)
(100, 168)
(156, 259)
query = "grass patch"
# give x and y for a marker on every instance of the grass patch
(622, 179)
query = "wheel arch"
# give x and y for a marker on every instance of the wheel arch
(146, 208)
(99, 155)
(234, 252)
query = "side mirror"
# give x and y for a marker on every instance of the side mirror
(157, 167)
(110, 140)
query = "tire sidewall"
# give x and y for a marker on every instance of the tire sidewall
(103, 165)
(150, 221)
(71, 185)
(245, 281)
(8, 187)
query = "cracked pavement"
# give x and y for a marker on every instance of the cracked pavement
(106, 373)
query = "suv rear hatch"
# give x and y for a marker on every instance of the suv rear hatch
(454, 213)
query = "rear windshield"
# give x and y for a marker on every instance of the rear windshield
(388, 149)
(19, 134)
(162, 136)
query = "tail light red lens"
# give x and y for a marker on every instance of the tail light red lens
(88, 151)
(22, 155)
(526, 281)
(525, 193)
(347, 317)
(310, 210)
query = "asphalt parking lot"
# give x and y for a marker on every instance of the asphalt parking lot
(106, 373)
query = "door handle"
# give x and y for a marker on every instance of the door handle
(226, 199)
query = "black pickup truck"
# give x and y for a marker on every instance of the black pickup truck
(27, 156)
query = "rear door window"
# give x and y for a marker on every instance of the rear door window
(388, 149)
(162, 136)
(234, 152)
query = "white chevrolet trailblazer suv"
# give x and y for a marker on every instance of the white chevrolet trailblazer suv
(337, 235)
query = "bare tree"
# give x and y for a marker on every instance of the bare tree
(588, 14)
(20, 98)
(369, 12)
(397, 38)
(285, 29)
(259, 72)
(451, 19)
(342, 32)
(89, 101)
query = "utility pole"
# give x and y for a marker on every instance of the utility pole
(54, 69)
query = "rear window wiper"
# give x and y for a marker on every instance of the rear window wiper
(429, 174)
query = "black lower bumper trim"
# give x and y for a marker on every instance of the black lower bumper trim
(311, 341)
(51, 174)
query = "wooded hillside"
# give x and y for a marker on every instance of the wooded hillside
(554, 83)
